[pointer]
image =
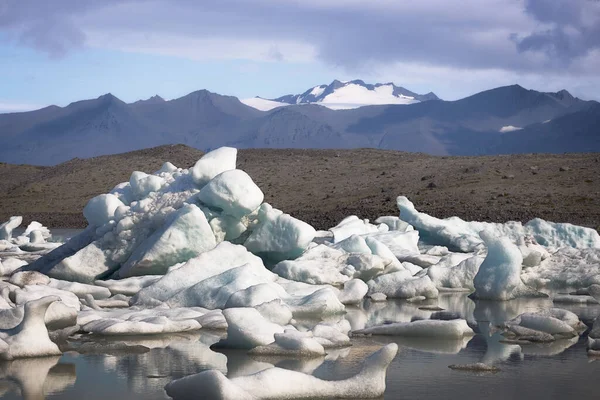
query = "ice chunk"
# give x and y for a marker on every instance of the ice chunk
(214, 292)
(232, 191)
(321, 303)
(351, 225)
(147, 326)
(567, 268)
(452, 232)
(7, 228)
(128, 286)
(222, 258)
(332, 335)
(378, 297)
(403, 285)
(247, 328)
(185, 235)
(552, 234)
(354, 292)
(80, 289)
(34, 292)
(453, 329)
(275, 311)
(291, 343)
(394, 223)
(166, 167)
(29, 338)
(401, 244)
(267, 384)
(101, 209)
(86, 265)
(29, 278)
(36, 226)
(143, 184)
(353, 244)
(226, 227)
(554, 321)
(320, 264)
(214, 163)
(279, 236)
(499, 276)
(447, 274)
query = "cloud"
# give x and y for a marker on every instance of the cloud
(571, 29)
(542, 37)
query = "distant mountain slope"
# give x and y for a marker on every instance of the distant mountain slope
(570, 133)
(107, 125)
(508, 119)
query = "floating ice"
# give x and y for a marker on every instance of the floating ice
(453, 329)
(464, 236)
(184, 235)
(567, 268)
(499, 276)
(544, 325)
(292, 343)
(351, 225)
(247, 328)
(29, 338)
(403, 285)
(7, 228)
(455, 271)
(279, 236)
(273, 383)
(220, 259)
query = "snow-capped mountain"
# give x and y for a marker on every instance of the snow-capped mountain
(345, 95)
(503, 120)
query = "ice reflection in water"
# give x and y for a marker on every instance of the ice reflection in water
(139, 367)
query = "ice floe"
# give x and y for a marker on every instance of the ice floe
(273, 383)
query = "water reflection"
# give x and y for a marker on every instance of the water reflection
(34, 379)
(139, 367)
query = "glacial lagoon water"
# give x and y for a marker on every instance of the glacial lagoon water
(138, 368)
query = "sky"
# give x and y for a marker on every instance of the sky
(60, 51)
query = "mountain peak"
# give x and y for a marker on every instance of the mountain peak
(156, 99)
(355, 93)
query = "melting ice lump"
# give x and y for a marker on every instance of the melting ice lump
(461, 235)
(184, 235)
(279, 236)
(273, 383)
(233, 192)
(544, 325)
(499, 276)
(101, 209)
(213, 163)
(7, 228)
(29, 338)
(448, 329)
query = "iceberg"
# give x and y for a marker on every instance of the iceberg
(273, 383)
(499, 276)
(29, 338)
(446, 329)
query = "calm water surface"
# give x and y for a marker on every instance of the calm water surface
(558, 370)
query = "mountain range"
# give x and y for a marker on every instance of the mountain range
(503, 120)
